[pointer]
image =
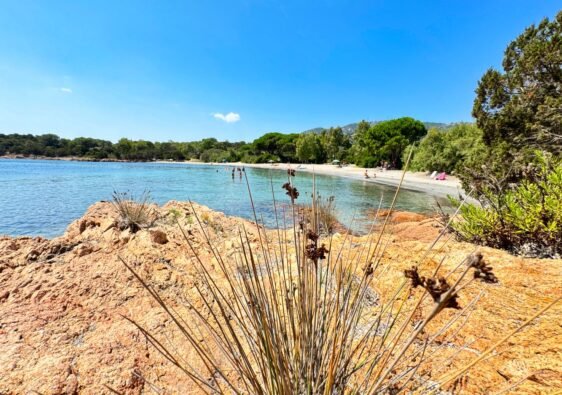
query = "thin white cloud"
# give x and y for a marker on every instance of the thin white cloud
(66, 90)
(231, 117)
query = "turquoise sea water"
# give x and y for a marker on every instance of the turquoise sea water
(40, 197)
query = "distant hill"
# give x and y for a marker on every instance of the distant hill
(350, 129)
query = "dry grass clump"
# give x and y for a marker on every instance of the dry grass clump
(325, 213)
(292, 313)
(134, 213)
(322, 210)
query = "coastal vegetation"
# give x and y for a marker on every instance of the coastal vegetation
(372, 143)
(449, 150)
(525, 218)
(517, 173)
(518, 110)
(510, 160)
(385, 141)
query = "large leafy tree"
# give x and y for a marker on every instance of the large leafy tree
(430, 154)
(522, 105)
(335, 142)
(309, 148)
(385, 141)
(278, 145)
(450, 149)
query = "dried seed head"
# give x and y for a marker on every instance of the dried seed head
(436, 288)
(481, 269)
(291, 191)
(414, 276)
(315, 253)
(312, 236)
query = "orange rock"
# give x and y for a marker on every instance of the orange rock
(399, 216)
(62, 331)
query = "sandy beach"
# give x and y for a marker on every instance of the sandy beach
(415, 181)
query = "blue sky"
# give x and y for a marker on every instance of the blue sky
(184, 70)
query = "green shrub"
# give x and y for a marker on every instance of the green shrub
(523, 219)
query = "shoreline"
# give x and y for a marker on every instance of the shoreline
(413, 181)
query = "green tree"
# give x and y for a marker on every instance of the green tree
(361, 149)
(429, 155)
(209, 143)
(309, 148)
(385, 141)
(449, 149)
(277, 146)
(518, 108)
(522, 104)
(214, 155)
(335, 143)
(124, 147)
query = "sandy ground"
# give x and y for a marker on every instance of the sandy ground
(419, 181)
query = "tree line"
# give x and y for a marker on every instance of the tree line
(369, 146)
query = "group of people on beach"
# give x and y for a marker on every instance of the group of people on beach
(383, 166)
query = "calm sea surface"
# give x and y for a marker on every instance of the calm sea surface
(42, 197)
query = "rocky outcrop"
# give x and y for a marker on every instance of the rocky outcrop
(397, 217)
(63, 303)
